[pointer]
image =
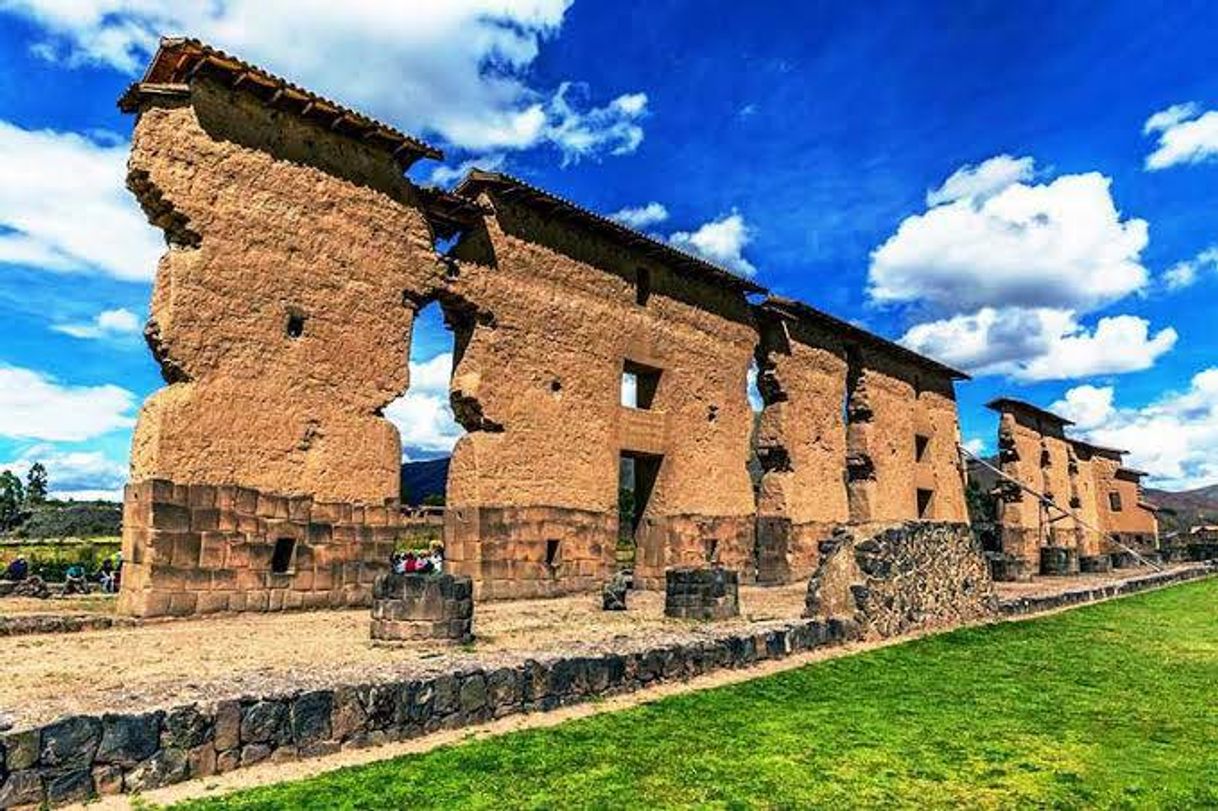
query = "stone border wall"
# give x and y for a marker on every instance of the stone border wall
(78, 757)
(23, 624)
(1020, 606)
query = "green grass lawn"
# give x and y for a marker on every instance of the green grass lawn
(1114, 705)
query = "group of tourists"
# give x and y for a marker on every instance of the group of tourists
(412, 562)
(77, 579)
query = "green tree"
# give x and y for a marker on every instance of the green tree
(12, 499)
(36, 484)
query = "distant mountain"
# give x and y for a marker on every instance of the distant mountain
(1192, 507)
(424, 482)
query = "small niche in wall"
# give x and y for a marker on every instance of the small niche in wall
(712, 550)
(642, 286)
(296, 324)
(1114, 501)
(284, 556)
(926, 499)
(552, 549)
(921, 445)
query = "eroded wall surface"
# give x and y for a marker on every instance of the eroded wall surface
(801, 443)
(279, 320)
(558, 318)
(892, 404)
(1035, 452)
(1086, 505)
(848, 435)
(272, 219)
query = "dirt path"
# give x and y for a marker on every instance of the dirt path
(168, 663)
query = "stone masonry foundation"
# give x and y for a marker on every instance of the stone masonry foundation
(711, 593)
(202, 549)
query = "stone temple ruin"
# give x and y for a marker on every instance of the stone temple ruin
(1099, 508)
(266, 477)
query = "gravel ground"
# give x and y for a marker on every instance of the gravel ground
(171, 662)
(167, 663)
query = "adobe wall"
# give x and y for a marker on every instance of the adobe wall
(1133, 524)
(279, 322)
(557, 318)
(271, 218)
(890, 403)
(1035, 452)
(281, 317)
(801, 443)
(837, 439)
(1091, 540)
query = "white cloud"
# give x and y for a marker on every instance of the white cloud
(1061, 244)
(983, 180)
(1007, 268)
(79, 475)
(613, 128)
(1086, 406)
(975, 446)
(459, 69)
(64, 206)
(1173, 115)
(1174, 438)
(721, 241)
(423, 415)
(35, 406)
(642, 216)
(1040, 343)
(106, 324)
(1186, 135)
(1185, 274)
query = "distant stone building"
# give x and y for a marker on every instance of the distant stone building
(1076, 498)
(266, 477)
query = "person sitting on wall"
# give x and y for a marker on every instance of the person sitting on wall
(437, 558)
(74, 580)
(18, 570)
(412, 563)
(425, 565)
(397, 564)
(118, 571)
(105, 576)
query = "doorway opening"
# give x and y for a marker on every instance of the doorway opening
(637, 474)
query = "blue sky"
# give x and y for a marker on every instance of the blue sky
(1023, 190)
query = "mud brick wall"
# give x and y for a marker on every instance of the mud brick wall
(801, 443)
(913, 576)
(422, 606)
(552, 314)
(1133, 524)
(850, 432)
(1033, 450)
(78, 757)
(280, 298)
(890, 403)
(1091, 542)
(200, 549)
